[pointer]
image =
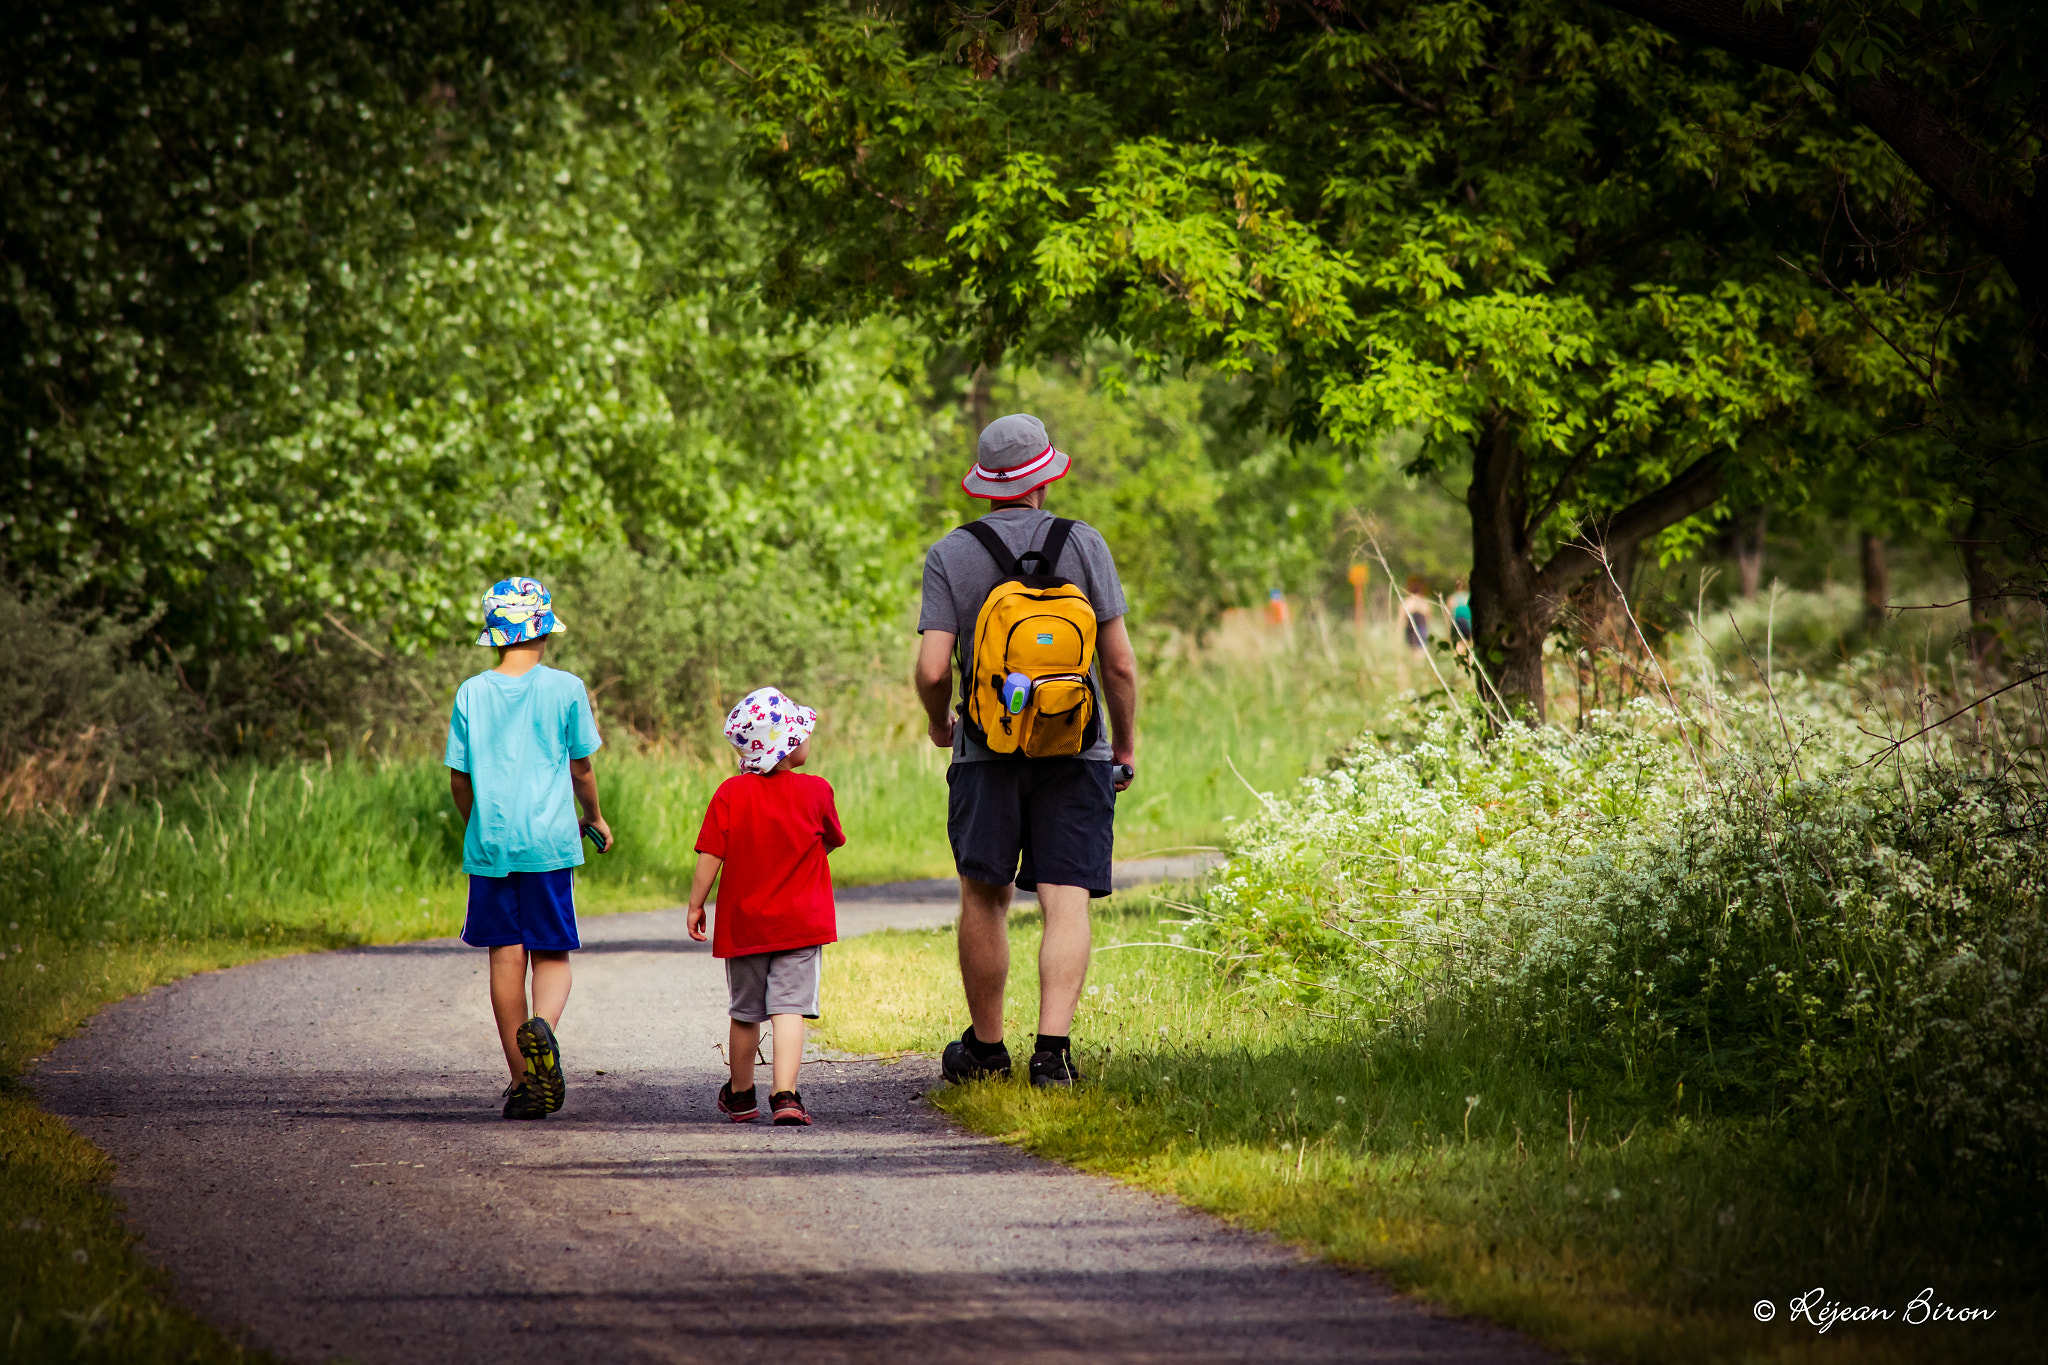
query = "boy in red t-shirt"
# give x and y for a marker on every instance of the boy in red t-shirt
(770, 828)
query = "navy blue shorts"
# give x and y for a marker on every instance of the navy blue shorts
(1033, 820)
(537, 909)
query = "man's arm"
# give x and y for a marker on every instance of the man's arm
(1120, 682)
(583, 781)
(464, 792)
(933, 677)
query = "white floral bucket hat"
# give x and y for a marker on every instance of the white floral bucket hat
(766, 727)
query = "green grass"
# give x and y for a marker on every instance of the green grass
(1645, 1237)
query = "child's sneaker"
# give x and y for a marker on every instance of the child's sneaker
(543, 1061)
(521, 1102)
(788, 1106)
(959, 1063)
(1054, 1068)
(740, 1107)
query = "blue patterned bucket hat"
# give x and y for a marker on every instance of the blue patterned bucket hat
(517, 610)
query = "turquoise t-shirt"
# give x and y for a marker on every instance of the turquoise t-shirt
(515, 737)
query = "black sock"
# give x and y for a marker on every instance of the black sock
(1055, 1042)
(980, 1051)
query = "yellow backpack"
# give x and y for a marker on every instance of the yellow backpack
(1025, 689)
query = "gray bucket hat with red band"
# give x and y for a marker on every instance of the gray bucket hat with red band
(1015, 456)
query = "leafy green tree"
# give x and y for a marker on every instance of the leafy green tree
(1953, 90)
(157, 159)
(427, 296)
(1953, 87)
(1540, 233)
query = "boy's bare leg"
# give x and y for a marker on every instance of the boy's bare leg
(1062, 956)
(743, 1041)
(508, 1002)
(551, 976)
(789, 1050)
(985, 954)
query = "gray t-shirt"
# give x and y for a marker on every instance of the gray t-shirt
(959, 571)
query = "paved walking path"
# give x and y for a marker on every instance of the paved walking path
(312, 1145)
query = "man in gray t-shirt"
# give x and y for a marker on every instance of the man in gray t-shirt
(959, 572)
(1044, 824)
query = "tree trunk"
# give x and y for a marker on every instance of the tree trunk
(1509, 616)
(979, 399)
(1513, 600)
(1749, 549)
(1877, 589)
(1985, 646)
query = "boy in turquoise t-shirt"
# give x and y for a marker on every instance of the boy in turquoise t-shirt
(519, 747)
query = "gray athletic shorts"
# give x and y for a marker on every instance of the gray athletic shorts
(764, 984)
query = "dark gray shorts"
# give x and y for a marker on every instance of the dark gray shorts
(765, 984)
(1032, 820)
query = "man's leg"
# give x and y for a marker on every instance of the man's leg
(508, 1002)
(550, 986)
(985, 954)
(1069, 816)
(1062, 956)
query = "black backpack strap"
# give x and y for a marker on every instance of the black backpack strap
(1055, 545)
(1006, 563)
(1008, 567)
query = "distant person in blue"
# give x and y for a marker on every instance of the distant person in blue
(519, 747)
(1461, 610)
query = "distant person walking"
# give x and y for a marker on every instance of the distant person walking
(1460, 604)
(1415, 612)
(519, 747)
(1044, 737)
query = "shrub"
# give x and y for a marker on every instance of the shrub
(1702, 917)
(78, 717)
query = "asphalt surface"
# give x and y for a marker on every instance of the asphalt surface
(312, 1146)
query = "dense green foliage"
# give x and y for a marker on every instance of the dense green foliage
(1597, 265)
(434, 300)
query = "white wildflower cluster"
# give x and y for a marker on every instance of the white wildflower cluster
(1731, 902)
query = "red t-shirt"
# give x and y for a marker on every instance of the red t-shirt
(775, 892)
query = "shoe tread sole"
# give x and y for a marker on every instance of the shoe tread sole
(543, 1061)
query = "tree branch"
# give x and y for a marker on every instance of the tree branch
(1559, 489)
(1403, 91)
(1693, 491)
